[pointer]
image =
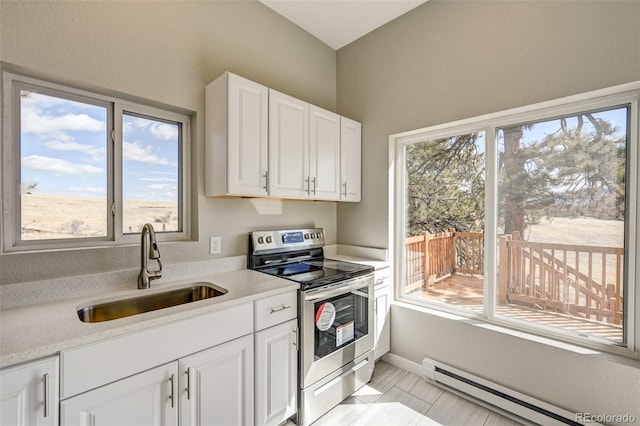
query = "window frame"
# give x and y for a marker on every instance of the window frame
(626, 94)
(116, 106)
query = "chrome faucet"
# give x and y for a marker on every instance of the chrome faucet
(150, 251)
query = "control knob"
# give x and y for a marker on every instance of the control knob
(269, 240)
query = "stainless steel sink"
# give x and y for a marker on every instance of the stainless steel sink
(108, 311)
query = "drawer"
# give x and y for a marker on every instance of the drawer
(95, 364)
(275, 309)
(382, 277)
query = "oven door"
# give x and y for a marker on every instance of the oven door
(337, 327)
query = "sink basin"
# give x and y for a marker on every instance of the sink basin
(108, 311)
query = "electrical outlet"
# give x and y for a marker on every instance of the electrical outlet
(215, 245)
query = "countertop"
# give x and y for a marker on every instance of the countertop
(45, 328)
(375, 257)
(376, 264)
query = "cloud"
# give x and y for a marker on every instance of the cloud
(136, 152)
(164, 131)
(35, 121)
(94, 154)
(164, 187)
(66, 146)
(57, 166)
(159, 179)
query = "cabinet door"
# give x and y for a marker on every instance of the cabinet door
(148, 398)
(276, 373)
(247, 143)
(288, 146)
(216, 385)
(29, 394)
(236, 132)
(350, 159)
(324, 154)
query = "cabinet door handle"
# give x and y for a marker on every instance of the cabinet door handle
(345, 188)
(282, 308)
(315, 181)
(171, 396)
(188, 389)
(265, 175)
(45, 381)
(295, 337)
(308, 185)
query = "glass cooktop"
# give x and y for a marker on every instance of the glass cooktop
(318, 272)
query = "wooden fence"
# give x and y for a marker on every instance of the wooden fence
(583, 281)
(434, 257)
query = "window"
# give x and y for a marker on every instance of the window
(83, 169)
(526, 218)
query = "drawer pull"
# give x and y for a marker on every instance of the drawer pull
(282, 308)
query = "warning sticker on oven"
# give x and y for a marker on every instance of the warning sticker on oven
(325, 316)
(344, 333)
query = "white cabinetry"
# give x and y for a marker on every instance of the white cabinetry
(204, 364)
(350, 159)
(304, 149)
(236, 134)
(260, 142)
(288, 146)
(147, 398)
(29, 394)
(276, 361)
(324, 154)
(382, 294)
(217, 385)
(212, 387)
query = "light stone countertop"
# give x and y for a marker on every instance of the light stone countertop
(45, 328)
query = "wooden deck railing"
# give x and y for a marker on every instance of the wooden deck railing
(579, 280)
(434, 257)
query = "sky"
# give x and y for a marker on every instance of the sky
(63, 151)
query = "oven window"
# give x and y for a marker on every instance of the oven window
(339, 321)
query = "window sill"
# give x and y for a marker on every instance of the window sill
(602, 351)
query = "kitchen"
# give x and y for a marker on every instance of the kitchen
(410, 73)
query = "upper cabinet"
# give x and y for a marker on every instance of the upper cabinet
(350, 159)
(324, 154)
(263, 143)
(288, 146)
(237, 137)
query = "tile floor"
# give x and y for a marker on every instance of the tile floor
(395, 397)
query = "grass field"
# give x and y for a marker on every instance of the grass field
(56, 217)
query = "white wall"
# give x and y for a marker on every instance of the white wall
(449, 60)
(167, 52)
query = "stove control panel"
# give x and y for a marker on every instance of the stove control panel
(287, 240)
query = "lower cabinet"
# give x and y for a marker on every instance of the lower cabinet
(216, 385)
(276, 373)
(147, 398)
(29, 394)
(382, 327)
(211, 387)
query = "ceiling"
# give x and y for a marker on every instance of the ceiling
(339, 22)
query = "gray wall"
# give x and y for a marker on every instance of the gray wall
(167, 52)
(449, 60)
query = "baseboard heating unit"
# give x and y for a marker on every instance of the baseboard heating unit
(511, 401)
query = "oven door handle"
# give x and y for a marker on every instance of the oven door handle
(337, 291)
